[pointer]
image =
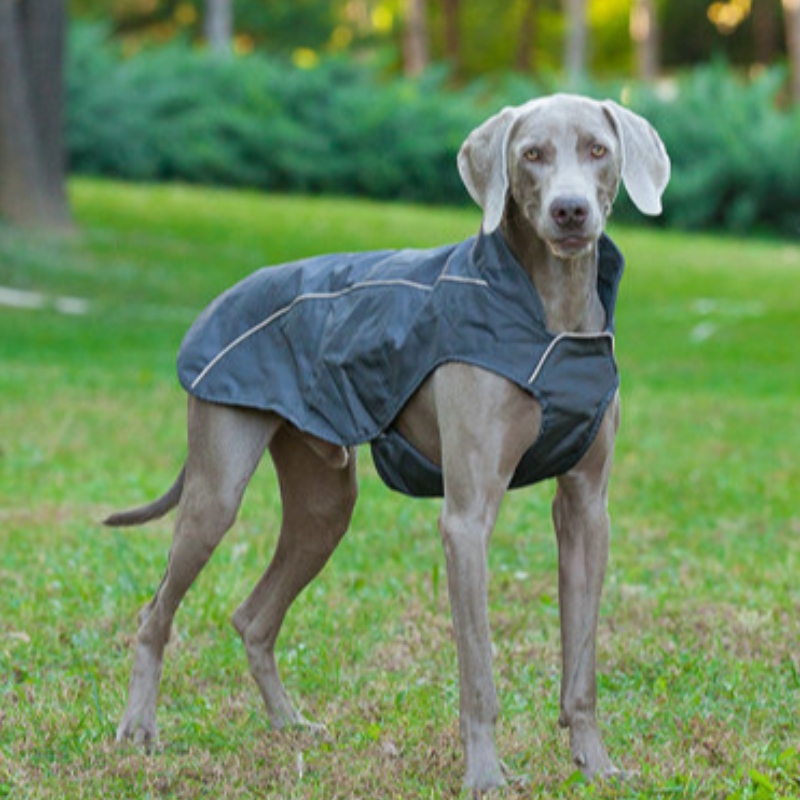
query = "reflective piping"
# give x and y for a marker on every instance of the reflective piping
(324, 296)
(457, 279)
(561, 337)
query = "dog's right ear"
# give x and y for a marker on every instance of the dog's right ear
(483, 166)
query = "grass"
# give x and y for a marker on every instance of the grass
(700, 628)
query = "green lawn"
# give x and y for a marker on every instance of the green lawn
(700, 628)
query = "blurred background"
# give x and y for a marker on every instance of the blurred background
(373, 97)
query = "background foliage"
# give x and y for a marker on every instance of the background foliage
(177, 113)
(735, 158)
(348, 127)
(490, 32)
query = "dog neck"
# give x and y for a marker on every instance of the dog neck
(567, 286)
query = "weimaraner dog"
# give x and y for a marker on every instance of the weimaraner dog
(545, 175)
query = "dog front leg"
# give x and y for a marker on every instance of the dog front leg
(485, 424)
(465, 535)
(583, 529)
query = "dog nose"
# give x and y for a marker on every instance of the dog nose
(570, 213)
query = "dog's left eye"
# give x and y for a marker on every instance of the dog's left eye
(598, 150)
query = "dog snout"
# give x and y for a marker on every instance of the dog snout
(570, 213)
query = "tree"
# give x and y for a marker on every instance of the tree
(575, 48)
(32, 170)
(452, 33)
(415, 39)
(523, 60)
(218, 26)
(791, 16)
(644, 32)
(766, 31)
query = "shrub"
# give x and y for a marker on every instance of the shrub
(178, 113)
(735, 154)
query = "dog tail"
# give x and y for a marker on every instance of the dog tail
(154, 510)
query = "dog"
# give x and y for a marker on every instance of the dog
(471, 369)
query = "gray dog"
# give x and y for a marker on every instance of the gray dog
(471, 369)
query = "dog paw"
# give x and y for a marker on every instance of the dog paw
(590, 756)
(485, 786)
(293, 720)
(136, 731)
(480, 780)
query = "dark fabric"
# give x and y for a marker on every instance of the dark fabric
(576, 384)
(337, 345)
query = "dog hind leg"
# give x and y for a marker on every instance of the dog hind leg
(318, 501)
(225, 447)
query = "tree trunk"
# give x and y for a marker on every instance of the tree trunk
(452, 37)
(766, 36)
(644, 32)
(218, 26)
(523, 60)
(45, 30)
(791, 18)
(415, 40)
(32, 180)
(575, 50)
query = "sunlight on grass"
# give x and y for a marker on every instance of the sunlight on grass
(700, 629)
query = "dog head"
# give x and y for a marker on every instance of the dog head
(560, 161)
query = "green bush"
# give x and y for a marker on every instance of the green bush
(735, 151)
(178, 113)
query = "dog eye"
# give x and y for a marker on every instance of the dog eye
(532, 154)
(598, 150)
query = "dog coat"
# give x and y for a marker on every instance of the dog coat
(337, 344)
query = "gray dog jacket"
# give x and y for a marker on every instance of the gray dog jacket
(337, 344)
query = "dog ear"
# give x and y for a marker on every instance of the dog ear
(483, 166)
(645, 163)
